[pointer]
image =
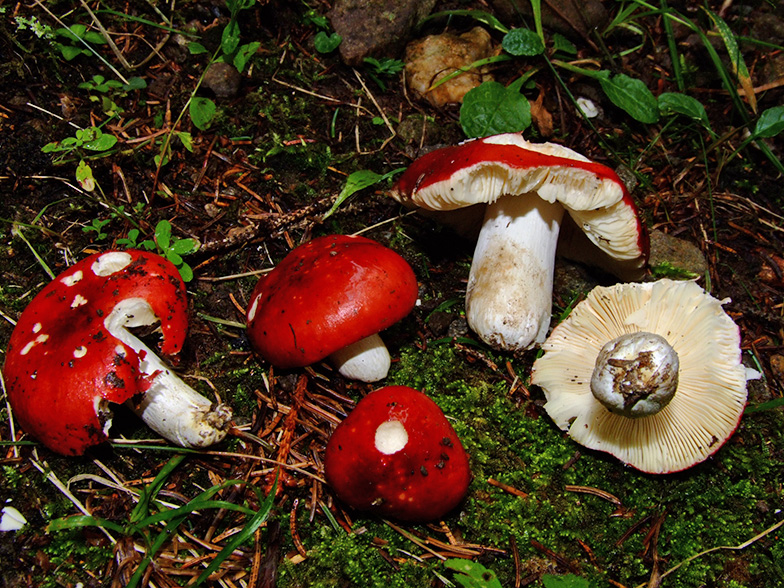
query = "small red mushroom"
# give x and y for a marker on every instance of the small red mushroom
(71, 355)
(331, 297)
(397, 456)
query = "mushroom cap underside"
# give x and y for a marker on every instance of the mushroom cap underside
(711, 395)
(63, 367)
(327, 294)
(482, 170)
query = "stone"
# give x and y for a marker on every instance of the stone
(375, 28)
(436, 56)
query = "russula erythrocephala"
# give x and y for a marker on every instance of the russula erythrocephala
(330, 298)
(71, 356)
(650, 373)
(526, 188)
(397, 456)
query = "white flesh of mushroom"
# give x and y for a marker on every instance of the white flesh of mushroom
(636, 374)
(391, 437)
(169, 407)
(367, 360)
(509, 294)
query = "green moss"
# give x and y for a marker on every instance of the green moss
(71, 556)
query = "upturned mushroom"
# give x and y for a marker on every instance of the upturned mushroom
(525, 189)
(650, 373)
(397, 456)
(71, 356)
(330, 298)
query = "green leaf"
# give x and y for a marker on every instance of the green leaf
(103, 142)
(186, 273)
(244, 53)
(325, 43)
(186, 139)
(70, 52)
(677, 103)
(135, 83)
(230, 38)
(471, 574)
(357, 181)
(163, 234)
(84, 176)
(79, 521)
(184, 246)
(770, 123)
(563, 45)
(522, 42)
(195, 48)
(491, 108)
(736, 58)
(173, 257)
(202, 111)
(565, 581)
(633, 96)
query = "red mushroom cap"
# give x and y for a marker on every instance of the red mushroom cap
(63, 366)
(396, 455)
(327, 294)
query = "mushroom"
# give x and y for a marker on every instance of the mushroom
(331, 297)
(526, 188)
(397, 456)
(650, 373)
(71, 355)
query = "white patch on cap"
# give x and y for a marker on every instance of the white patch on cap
(111, 263)
(78, 300)
(103, 412)
(73, 278)
(120, 350)
(254, 305)
(39, 339)
(391, 437)
(12, 519)
(80, 351)
(36, 327)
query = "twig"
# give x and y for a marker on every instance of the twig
(116, 50)
(11, 427)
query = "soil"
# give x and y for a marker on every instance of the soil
(255, 183)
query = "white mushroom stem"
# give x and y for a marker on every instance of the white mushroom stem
(509, 294)
(169, 407)
(367, 360)
(636, 374)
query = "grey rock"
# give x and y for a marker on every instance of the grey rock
(376, 28)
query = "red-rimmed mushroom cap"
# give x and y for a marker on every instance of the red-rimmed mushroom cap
(480, 171)
(63, 366)
(396, 455)
(325, 295)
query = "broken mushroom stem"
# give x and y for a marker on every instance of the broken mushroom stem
(508, 298)
(367, 360)
(636, 374)
(168, 406)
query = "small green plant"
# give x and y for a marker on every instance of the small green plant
(89, 139)
(565, 581)
(97, 227)
(169, 246)
(385, 67)
(75, 41)
(109, 90)
(359, 180)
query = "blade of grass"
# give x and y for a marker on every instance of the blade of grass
(672, 46)
(142, 509)
(736, 58)
(246, 533)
